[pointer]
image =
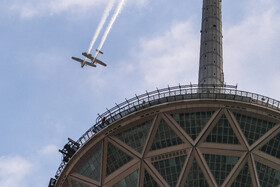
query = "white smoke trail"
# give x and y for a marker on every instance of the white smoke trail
(120, 5)
(100, 25)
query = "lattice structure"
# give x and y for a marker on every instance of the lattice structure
(188, 161)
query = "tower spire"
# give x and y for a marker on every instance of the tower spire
(211, 47)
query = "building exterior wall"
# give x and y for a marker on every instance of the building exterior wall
(186, 143)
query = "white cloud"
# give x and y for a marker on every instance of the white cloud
(170, 58)
(13, 171)
(33, 8)
(49, 150)
(251, 49)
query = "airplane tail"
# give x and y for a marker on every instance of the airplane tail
(99, 51)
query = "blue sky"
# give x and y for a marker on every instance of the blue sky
(46, 97)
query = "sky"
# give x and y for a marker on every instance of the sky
(45, 97)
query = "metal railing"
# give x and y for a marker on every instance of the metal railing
(169, 94)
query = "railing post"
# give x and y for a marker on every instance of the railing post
(180, 89)
(119, 110)
(169, 90)
(137, 99)
(109, 113)
(148, 97)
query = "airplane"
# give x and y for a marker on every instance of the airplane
(83, 62)
(94, 59)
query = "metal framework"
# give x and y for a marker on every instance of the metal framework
(223, 101)
(171, 94)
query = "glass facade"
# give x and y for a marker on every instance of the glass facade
(165, 137)
(267, 175)
(170, 169)
(220, 166)
(115, 159)
(129, 181)
(273, 147)
(136, 137)
(171, 163)
(149, 181)
(196, 177)
(244, 178)
(222, 133)
(91, 167)
(253, 128)
(193, 122)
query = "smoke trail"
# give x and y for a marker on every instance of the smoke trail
(100, 25)
(120, 5)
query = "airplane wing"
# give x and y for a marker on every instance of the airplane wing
(100, 62)
(87, 55)
(77, 59)
(81, 61)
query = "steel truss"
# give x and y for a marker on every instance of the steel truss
(193, 149)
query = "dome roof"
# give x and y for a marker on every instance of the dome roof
(185, 142)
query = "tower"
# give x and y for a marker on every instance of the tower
(180, 136)
(211, 46)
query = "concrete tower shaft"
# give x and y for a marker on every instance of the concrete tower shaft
(211, 48)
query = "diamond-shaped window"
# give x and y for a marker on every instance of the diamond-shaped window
(165, 137)
(91, 167)
(115, 159)
(136, 136)
(193, 122)
(253, 128)
(222, 133)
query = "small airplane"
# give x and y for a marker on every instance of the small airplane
(94, 59)
(83, 62)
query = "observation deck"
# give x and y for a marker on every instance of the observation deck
(171, 95)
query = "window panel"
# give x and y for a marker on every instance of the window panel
(220, 166)
(129, 181)
(268, 176)
(165, 137)
(91, 167)
(196, 177)
(193, 122)
(115, 159)
(149, 181)
(273, 147)
(222, 133)
(170, 169)
(243, 179)
(136, 136)
(253, 128)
